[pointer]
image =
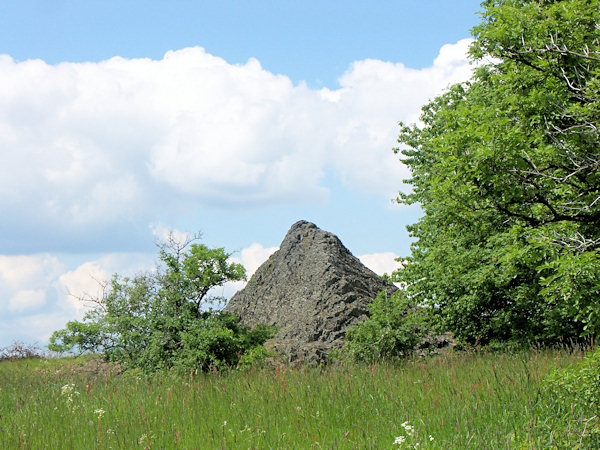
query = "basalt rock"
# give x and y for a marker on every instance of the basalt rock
(313, 289)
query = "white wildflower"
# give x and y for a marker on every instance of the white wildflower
(408, 428)
(399, 440)
(69, 391)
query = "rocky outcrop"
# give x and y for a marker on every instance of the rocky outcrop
(312, 288)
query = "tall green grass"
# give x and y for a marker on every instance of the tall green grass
(470, 400)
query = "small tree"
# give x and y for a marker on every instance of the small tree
(164, 318)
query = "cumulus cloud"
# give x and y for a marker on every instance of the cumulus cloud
(93, 145)
(381, 263)
(26, 290)
(27, 299)
(163, 233)
(87, 281)
(374, 96)
(38, 295)
(25, 280)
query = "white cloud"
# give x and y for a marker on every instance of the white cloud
(452, 58)
(83, 283)
(376, 95)
(38, 295)
(27, 299)
(25, 279)
(30, 270)
(93, 145)
(87, 280)
(381, 263)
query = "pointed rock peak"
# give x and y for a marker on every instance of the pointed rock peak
(313, 288)
(300, 230)
(302, 225)
(304, 236)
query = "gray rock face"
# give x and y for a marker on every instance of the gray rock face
(313, 288)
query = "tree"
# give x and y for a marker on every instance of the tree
(506, 170)
(163, 319)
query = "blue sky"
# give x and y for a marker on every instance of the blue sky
(120, 120)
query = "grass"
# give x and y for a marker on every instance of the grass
(463, 400)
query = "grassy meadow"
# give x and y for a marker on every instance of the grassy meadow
(459, 400)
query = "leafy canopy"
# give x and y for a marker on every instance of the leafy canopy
(506, 170)
(163, 319)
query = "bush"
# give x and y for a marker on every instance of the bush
(163, 319)
(393, 329)
(19, 350)
(577, 388)
(578, 385)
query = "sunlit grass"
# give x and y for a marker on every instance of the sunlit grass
(475, 400)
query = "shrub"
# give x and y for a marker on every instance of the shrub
(19, 350)
(578, 385)
(393, 329)
(163, 319)
(577, 388)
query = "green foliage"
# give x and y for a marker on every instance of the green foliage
(85, 336)
(573, 289)
(162, 319)
(393, 329)
(578, 385)
(578, 388)
(506, 170)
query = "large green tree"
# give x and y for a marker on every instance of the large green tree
(506, 170)
(164, 319)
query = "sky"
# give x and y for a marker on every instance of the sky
(121, 120)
